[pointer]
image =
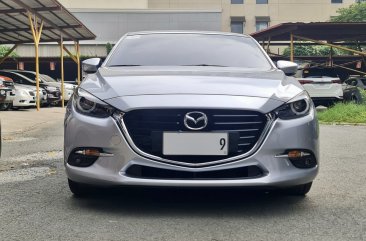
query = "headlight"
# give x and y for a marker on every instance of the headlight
(297, 107)
(90, 105)
(69, 87)
(24, 92)
(50, 88)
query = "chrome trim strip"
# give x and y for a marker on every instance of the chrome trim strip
(101, 154)
(267, 128)
(286, 155)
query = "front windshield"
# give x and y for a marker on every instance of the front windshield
(46, 78)
(172, 49)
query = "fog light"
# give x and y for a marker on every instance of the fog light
(300, 158)
(85, 157)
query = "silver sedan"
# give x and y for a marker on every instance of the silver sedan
(192, 109)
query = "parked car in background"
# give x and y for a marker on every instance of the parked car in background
(325, 87)
(53, 93)
(359, 82)
(49, 81)
(25, 96)
(7, 92)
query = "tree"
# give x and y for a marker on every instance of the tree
(109, 47)
(354, 13)
(5, 49)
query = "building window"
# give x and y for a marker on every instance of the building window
(261, 23)
(237, 27)
(337, 1)
(262, 1)
(237, 24)
(237, 1)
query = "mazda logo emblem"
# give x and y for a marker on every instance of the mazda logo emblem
(195, 120)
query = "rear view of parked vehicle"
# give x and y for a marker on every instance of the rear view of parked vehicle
(325, 87)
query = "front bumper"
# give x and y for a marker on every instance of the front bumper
(67, 94)
(6, 96)
(83, 131)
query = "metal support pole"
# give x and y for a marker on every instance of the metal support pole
(62, 72)
(36, 32)
(77, 48)
(292, 48)
(268, 44)
(8, 53)
(331, 57)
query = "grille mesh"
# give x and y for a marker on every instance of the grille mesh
(146, 129)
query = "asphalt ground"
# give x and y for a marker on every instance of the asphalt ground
(36, 204)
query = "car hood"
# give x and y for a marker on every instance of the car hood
(24, 87)
(117, 84)
(58, 84)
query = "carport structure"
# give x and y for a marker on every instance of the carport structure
(333, 34)
(35, 21)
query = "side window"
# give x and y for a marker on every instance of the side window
(17, 79)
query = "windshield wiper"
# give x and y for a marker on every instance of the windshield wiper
(209, 65)
(124, 65)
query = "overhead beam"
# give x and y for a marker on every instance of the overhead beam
(22, 4)
(21, 10)
(15, 30)
(310, 43)
(330, 45)
(343, 67)
(72, 56)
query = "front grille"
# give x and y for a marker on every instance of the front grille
(57, 93)
(139, 171)
(9, 84)
(146, 128)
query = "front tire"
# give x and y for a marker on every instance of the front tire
(79, 189)
(300, 190)
(5, 106)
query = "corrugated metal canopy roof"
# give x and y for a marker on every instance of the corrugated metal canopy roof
(57, 20)
(326, 31)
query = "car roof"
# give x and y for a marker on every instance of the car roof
(5, 78)
(186, 32)
(20, 71)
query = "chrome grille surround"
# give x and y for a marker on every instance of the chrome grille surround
(267, 127)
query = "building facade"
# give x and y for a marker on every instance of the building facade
(111, 19)
(249, 16)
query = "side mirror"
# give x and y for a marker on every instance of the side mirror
(91, 66)
(290, 68)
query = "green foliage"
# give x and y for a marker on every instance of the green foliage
(109, 47)
(354, 13)
(363, 95)
(5, 49)
(312, 50)
(344, 113)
